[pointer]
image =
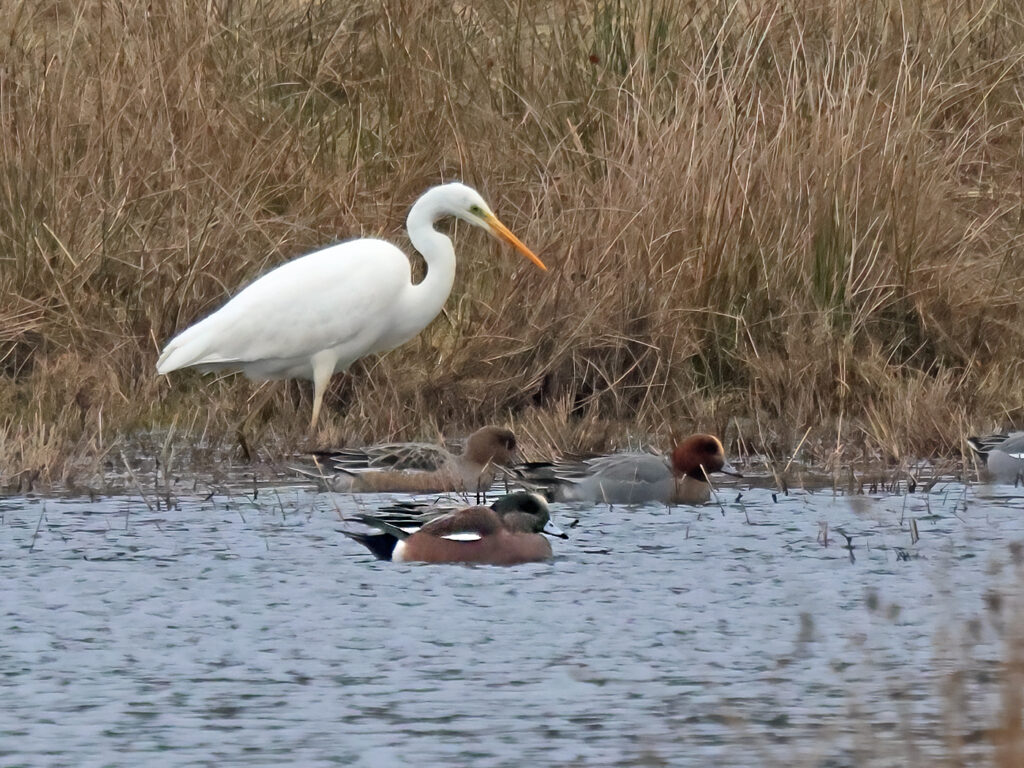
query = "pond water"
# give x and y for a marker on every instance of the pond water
(238, 627)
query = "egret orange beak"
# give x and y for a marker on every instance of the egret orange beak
(500, 230)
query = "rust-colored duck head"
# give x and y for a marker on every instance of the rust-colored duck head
(491, 446)
(699, 455)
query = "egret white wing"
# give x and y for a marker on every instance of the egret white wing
(325, 300)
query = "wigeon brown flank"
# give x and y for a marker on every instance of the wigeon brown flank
(635, 478)
(509, 532)
(435, 468)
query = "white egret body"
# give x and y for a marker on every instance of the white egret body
(316, 315)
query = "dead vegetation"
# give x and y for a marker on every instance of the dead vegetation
(759, 217)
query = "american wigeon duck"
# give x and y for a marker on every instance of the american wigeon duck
(634, 478)
(1002, 455)
(509, 532)
(416, 467)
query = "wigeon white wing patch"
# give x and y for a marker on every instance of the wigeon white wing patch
(398, 553)
(463, 536)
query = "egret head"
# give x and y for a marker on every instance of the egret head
(467, 204)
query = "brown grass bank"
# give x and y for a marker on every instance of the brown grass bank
(801, 215)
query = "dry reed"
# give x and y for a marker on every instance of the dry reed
(777, 216)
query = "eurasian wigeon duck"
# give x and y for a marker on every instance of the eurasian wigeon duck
(416, 467)
(634, 478)
(1002, 455)
(509, 532)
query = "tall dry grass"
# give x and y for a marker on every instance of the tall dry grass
(770, 217)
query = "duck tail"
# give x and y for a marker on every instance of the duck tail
(539, 477)
(984, 444)
(978, 447)
(382, 545)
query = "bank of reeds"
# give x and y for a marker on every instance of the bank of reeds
(759, 218)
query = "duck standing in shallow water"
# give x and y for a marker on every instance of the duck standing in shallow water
(416, 467)
(634, 478)
(1002, 454)
(509, 532)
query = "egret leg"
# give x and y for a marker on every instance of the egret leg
(322, 372)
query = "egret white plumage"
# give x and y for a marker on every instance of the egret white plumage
(316, 315)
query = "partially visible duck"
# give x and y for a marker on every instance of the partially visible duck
(509, 532)
(634, 478)
(1002, 454)
(416, 467)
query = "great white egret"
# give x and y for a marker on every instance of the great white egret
(317, 314)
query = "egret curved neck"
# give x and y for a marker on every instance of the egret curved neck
(424, 300)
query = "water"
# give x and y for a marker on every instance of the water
(234, 631)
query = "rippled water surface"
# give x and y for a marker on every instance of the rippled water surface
(234, 630)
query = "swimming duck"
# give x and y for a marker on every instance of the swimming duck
(416, 467)
(1002, 454)
(634, 478)
(508, 532)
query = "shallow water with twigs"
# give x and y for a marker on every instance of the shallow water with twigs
(241, 628)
